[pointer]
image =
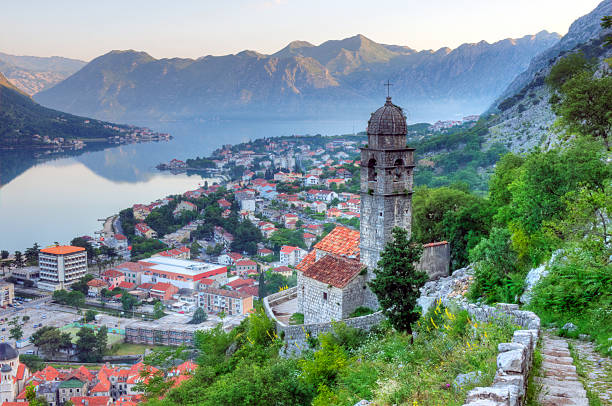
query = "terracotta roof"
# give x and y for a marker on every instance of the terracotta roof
(112, 273)
(334, 270)
(163, 287)
(62, 249)
(97, 283)
(225, 292)
(282, 268)
(435, 244)
(340, 241)
(246, 262)
(250, 290)
(127, 285)
(308, 235)
(145, 286)
(241, 282)
(307, 261)
(288, 249)
(90, 400)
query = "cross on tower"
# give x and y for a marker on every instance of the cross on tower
(388, 84)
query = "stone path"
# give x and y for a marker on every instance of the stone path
(559, 380)
(597, 368)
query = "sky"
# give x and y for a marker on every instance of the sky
(85, 29)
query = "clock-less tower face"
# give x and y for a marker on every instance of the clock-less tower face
(387, 166)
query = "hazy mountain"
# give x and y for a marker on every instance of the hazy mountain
(33, 74)
(336, 79)
(524, 116)
(22, 119)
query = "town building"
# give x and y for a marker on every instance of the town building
(143, 230)
(95, 287)
(178, 253)
(165, 331)
(246, 266)
(60, 266)
(180, 272)
(291, 256)
(113, 278)
(13, 374)
(7, 294)
(163, 291)
(230, 302)
(184, 206)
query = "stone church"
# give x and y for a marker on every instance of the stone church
(332, 278)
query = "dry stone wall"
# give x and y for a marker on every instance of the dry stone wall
(514, 359)
(296, 337)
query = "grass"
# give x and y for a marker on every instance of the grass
(132, 349)
(296, 318)
(74, 366)
(112, 338)
(393, 368)
(533, 387)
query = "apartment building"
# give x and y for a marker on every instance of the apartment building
(7, 293)
(60, 266)
(214, 300)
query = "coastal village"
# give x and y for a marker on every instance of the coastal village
(280, 207)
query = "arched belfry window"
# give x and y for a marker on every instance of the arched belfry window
(398, 170)
(372, 170)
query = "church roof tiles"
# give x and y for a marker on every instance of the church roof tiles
(334, 270)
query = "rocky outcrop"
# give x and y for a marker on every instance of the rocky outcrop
(535, 275)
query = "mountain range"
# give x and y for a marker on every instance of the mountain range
(337, 79)
(33, 74)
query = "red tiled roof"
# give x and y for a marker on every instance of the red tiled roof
(288, 249)
(145, 286)
(163, 287)
(340, 241)
(241, 282)
(435, 244)
(308, 235)
(246, 262)
(214, 272)
(91, 400)
(282, 268)
(97, 283)
(112, 273)
(307, 261)
(127, 285)
(250, 290)
(120, 237)
(207, 282)
(334, 270)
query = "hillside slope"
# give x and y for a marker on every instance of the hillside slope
(524, 117)
(335, 79)
(33, 74)
(23, 122)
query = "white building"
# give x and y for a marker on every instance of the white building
(181, 273)
(291, 255)
(60, 266)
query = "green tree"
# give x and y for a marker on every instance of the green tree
(4, 254)
(496, 276)
(565, 69)
(261, 289)
(16, 331)
(397, 281)
(128, 301)
(19, 261)
(199, 316)
(31, 255)
(155, 383)
(90, 315)
(32, 361)
(51, 340)
(81, 284)
(87, 345)
(32, 399)
(75, 299)
(586, 106)
(158, 310)
(83, 243)
(196, 249)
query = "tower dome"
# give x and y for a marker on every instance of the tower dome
(7, 352)
(387, 120)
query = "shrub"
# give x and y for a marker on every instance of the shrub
(361, 311)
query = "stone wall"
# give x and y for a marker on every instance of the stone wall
(514, 359)
(435, 260)
(296, 337)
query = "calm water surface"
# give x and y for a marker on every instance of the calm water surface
(63, 198)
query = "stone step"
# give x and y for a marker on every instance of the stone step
(559, 367)
(564, 391)
(568, 360)
(548, 400)
(560, 382)
(556, 353)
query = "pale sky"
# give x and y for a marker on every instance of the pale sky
(85, 29)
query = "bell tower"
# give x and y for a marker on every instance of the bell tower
(386, 185)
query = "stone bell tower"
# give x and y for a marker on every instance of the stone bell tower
(386, 185)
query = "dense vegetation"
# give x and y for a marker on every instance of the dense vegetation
(244, 367)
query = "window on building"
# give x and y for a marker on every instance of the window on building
(324, 295)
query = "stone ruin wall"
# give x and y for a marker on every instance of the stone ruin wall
(514, 359)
